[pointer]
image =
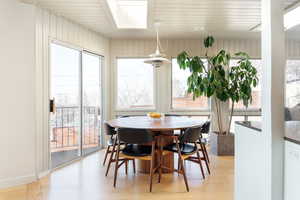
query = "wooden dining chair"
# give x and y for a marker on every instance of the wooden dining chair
(203, 142)
(125, 116)
(111, 147)
(173, 115)
(135, 148)
(109, 131)
(185, 146)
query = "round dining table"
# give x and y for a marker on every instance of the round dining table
(164, 126)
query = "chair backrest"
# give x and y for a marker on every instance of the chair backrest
(190, 135)
(205, 127)
(109, 130)
(124, 116)
(173, 115)
(135, 136)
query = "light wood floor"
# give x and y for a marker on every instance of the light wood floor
(85, 180)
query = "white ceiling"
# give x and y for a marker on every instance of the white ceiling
(179, 18)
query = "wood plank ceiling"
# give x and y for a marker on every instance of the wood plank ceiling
(179, 19)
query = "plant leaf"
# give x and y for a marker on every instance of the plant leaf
(209, 41)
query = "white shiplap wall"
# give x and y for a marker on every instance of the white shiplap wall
(172, 47)
(133, 48)
(51, 27)
(17, 104)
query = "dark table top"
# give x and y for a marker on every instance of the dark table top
(162, 124)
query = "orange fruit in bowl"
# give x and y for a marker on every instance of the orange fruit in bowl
(154, 115)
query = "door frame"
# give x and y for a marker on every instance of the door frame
(46, 100)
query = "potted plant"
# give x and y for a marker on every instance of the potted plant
(225, 84)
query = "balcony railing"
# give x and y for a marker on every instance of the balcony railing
(65, 128)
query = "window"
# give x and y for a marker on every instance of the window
(256, 92)
(292, 83)
(180, 98)
(135, 84)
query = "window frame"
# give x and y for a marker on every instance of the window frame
(122, 111)
(183, 110)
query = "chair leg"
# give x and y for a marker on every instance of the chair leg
(182, 166)
(117, 164)
(178, 165)
(205, 157)
(200, 162)
(160, 161)
(111, 158)
(205, 151)
(133, 162)
(126, 167)
(106, 153)
(152, 163)
(184, 175)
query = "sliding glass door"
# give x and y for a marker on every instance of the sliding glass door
(65, 91)
(91, 102)
(75, 104)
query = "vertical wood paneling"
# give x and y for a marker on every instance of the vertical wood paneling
(45, 51)
(39, 90)
(134, 48)
(50, 26)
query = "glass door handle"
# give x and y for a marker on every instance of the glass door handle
(52, 105)
(99, 114)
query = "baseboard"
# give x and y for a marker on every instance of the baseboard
(44, 173)
(21, 180)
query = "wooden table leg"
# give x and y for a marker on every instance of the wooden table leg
(168, 160)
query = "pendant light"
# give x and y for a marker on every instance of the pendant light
(157, 59)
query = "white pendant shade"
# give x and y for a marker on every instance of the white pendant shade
(157, 59)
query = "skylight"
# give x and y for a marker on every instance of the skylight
(129, 14)
(292, 18)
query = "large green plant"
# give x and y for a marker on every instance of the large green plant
(219, 80)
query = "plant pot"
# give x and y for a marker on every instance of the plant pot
(221, 145)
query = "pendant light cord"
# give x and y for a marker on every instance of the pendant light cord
(158, 45)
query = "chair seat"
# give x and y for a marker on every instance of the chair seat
(185, 148)
(111, 141)
(137, 150)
